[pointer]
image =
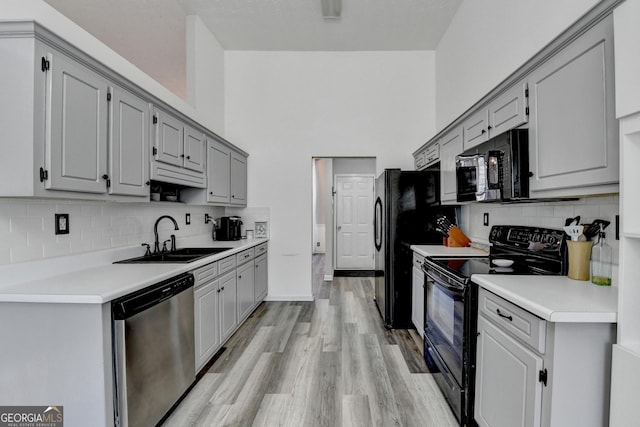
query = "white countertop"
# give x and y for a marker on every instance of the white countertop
(555, 298)
(101, 281)
(440, 250)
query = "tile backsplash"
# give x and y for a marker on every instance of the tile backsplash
(27, 226)
(543, 214)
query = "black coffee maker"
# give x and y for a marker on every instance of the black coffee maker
(229, 228)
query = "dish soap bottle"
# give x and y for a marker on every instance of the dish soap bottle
(601, 261)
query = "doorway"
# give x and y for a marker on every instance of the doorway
(325, 205)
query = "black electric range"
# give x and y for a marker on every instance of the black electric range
(451, 303)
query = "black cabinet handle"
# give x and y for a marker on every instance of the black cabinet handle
(483, 131)
(147, 183)
(188, 157)
(509, 318)
(105, 176)
(222, 288)
(218, 290)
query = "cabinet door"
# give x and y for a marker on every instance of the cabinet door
(169, 139)
(194, 150)
(509, 110)
(417, 300)
(476, 129)
(450, 147)
(508, 392)
(573, 135)
(129, 147)
(261, 278)
(238, 179)
(207, 329)
(245, 292)
(76, 137)
(228, 308)
(218, 172)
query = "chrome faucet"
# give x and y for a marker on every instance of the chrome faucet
(156, 246)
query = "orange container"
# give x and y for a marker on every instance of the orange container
(458, 237)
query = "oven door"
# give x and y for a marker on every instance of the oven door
(467, 176)
(444, 337)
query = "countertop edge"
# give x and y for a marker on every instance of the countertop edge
(542, 311)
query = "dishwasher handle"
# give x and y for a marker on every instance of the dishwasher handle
(134, 303)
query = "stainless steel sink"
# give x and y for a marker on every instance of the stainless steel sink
(183, 255)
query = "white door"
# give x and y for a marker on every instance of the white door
(354, 221)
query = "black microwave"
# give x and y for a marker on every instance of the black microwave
(496, 170)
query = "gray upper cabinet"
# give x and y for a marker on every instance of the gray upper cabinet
(169, 139)
(475, 129)
(129, 145)
(178, 151)
(238, 179)
(507, 111)
(573, 136)
(76, 129)
(450, 147)
(194, 149)
(218, 173)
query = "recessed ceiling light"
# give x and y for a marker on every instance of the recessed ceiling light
(331, 9)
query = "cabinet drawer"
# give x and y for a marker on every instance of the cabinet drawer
(261, 249)
(417, 260)
(519, 323)
(244, 256)
(226, 264)
(204, 274)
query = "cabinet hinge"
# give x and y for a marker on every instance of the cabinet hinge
(526, 111)
(108, 96)
(155, 151)
(44, 175)
(542, 376)
(45, 64)
(155, 119)
(526, 93)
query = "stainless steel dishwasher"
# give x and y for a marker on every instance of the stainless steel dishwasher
(153, 350)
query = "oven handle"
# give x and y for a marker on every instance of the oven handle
(444, 283)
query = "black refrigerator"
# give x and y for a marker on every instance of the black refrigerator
(407, 204)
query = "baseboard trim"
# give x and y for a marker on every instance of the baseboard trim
(353, 273)
(289, 298)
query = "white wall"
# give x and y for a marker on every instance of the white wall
(286, 107)
(488, 40)
(205, 73)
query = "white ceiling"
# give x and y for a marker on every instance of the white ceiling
(151, 33)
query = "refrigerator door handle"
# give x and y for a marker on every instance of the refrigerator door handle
(377, 224)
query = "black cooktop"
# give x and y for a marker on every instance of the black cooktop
(515, 250)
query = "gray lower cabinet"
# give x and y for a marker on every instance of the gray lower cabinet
(261, 277)
(246, 297)
(573, 132)
(228, 305)
(76, 129)
(534, 372)
(207, 325)
(417, 294)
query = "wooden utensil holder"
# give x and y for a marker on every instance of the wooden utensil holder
(579, 256)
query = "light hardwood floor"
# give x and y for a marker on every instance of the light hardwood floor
(324, 363)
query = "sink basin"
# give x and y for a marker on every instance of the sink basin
(183, 255)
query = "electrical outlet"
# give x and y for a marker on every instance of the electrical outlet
(318, 244)
(485, 219)
(62, 223)
(187, 218)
